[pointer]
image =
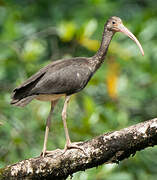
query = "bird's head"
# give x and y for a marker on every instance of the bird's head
(115, 24)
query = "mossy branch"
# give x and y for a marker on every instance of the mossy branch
(107, 148)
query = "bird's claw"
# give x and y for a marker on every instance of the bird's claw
(73, 146)
(48, 153)
(67, 146)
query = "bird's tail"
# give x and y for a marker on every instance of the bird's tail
(22, 102)
(23, 95)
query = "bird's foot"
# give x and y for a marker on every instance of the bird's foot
(73, 146)
(67, 146)
(49, 153)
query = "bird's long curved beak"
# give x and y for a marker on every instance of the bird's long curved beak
(123, 29)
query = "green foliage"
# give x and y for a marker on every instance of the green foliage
(122, 92)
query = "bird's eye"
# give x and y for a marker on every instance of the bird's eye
(113, 22)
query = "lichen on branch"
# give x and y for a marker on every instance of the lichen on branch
(107, 148)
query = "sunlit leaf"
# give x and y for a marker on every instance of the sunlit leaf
(33, 49)
(112, 78)
(90, 28)
(89, 43)
(66, 30)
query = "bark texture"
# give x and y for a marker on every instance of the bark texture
(107, 148)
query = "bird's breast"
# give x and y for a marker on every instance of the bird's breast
(49, 97)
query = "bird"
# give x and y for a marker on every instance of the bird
(65, 77)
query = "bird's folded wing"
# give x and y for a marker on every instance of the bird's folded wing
(68, 80)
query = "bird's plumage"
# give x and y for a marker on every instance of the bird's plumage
(59, 77)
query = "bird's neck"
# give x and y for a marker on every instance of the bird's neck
(99, 57)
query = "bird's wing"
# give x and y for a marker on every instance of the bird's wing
(38, 74)
(22, 91)
(66, 80)
(53, 78)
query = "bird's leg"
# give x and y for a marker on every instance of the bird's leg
(48, 123)
(68, 144)
(64, 114)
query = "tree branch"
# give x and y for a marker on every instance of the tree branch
(107, 148)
